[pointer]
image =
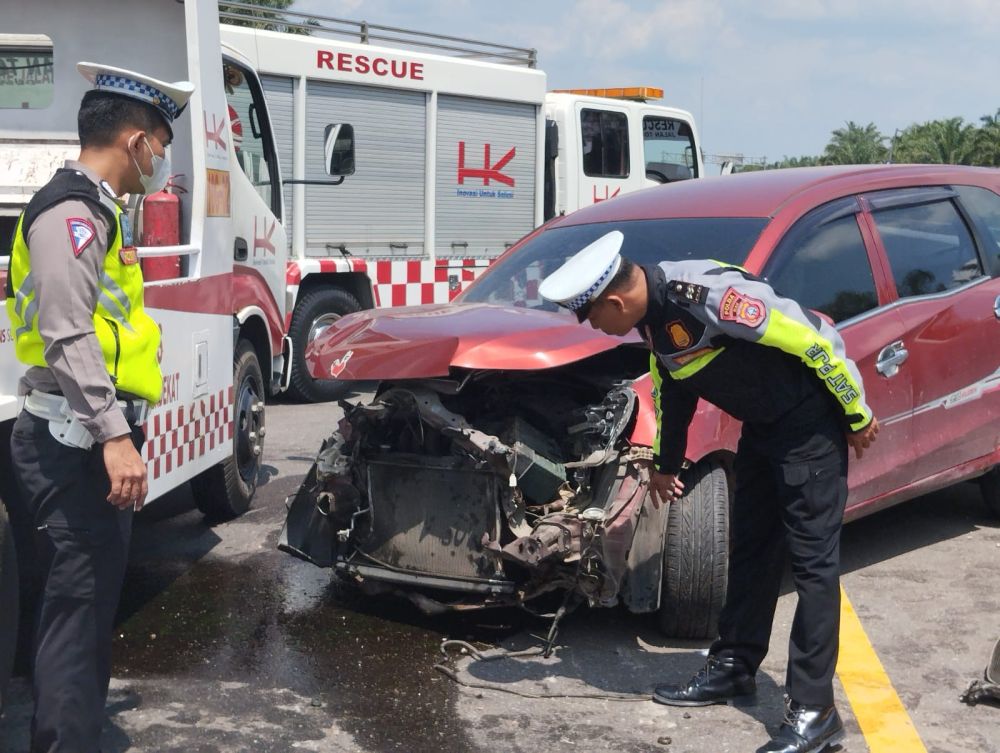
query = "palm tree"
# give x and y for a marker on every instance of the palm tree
(855, 145)
(940, 142)
(988, 140)
(267, 15)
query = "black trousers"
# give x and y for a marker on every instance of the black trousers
(791, 488)
(78, 547)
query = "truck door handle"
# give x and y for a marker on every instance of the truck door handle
(890, 359)
(240, 250)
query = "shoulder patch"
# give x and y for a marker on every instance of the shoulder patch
(679, 334)
(738, 307)
(689, 291)
(81, 233)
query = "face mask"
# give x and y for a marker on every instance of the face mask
(161, 171)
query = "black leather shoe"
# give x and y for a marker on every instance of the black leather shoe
(806, 729)
(719, 681)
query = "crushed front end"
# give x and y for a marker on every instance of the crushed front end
(488, 489)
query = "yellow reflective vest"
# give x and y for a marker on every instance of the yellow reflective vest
(128, 336)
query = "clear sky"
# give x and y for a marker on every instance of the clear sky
(765, 78)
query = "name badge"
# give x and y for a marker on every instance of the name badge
(128, 255)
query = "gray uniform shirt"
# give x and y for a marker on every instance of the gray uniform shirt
(66, 289)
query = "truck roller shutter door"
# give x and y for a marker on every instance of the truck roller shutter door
(480, 216)
(378, 211)
(278, 93)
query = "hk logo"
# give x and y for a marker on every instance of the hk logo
(213, 133)
(262, 238)
(487, 172)
(607, 194)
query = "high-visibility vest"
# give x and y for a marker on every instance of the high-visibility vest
(128, 336)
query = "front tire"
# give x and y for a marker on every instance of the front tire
(314, 313)
(989, 485)
(696, 555)
(225, 490)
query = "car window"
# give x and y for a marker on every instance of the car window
(985, 208)
(605, 143)
(928, 246)
(669, 149)
(824, 267)
(514, 279)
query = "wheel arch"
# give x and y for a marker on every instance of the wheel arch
(252, 326)
(357, 284)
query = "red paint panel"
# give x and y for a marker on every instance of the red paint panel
(251, 289)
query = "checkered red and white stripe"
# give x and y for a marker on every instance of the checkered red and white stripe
(180, 434)
(398, 283)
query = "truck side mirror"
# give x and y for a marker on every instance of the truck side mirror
(338, 149)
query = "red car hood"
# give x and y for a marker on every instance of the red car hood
(425, 341)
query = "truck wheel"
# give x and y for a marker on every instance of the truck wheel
(989, 485)
(314, 313)
(696, 554)
(8, 603)
(225, 490)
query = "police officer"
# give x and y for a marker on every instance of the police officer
(719, 333)
(74, 297)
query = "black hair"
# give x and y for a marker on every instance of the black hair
(622, 277)
(103, 115)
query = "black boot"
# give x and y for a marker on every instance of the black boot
(806, 729)
(720, 680)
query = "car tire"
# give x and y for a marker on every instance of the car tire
(989, 485)
(8, 603)
(696, 555)
(314, 312)
(225, 490)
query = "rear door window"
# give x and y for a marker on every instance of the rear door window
(929, 247)
(984, 206)
(822, 263)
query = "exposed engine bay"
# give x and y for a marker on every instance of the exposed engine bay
(489, 489)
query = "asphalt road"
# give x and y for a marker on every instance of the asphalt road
(226, 644)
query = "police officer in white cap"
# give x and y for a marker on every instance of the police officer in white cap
(719, 333)
(74, 297)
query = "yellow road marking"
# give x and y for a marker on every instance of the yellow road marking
(883, 720)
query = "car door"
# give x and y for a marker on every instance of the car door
(825, 262)
(937, 262)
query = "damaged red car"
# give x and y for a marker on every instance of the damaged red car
(504, 455)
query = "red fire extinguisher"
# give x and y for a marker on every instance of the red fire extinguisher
(161, 226)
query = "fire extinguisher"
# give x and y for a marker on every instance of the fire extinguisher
(161, 226)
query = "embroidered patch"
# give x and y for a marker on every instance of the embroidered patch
(737, 307)
(128, 255)
(338, 366)
(679, 334)
(688, 291)
(81, 233)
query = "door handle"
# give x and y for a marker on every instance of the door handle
(996, 307)
(240, 250)
(890, 359)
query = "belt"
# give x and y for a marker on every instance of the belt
(66, 427)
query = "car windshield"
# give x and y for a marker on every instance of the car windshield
(514, 279)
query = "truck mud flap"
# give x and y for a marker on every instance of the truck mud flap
(308, 532)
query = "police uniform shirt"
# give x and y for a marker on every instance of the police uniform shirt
(67, 244)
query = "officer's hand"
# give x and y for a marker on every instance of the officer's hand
(127, 473)
(664, 487)
(862, 440)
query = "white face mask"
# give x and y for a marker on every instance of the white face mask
(161, 171)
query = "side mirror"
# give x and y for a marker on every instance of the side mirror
(338, 149)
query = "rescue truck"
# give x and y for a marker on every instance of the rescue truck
(453, 150)
(213, 251)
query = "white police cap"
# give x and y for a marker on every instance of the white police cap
(585, 275)
(169, 99)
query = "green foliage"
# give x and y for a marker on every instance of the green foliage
(267, 15)
(942, 142)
